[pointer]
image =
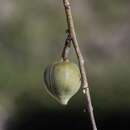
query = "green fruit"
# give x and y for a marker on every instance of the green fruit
(62, 80)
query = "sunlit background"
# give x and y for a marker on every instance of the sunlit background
(32, 35)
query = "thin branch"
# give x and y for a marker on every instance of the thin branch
(85, 87)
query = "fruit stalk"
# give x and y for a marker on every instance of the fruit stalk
(66, 48)
(86, 91)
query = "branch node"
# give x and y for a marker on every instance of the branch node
(85, 86)
(84, 91)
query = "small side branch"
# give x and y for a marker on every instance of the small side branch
(66, 49)
(71, 31)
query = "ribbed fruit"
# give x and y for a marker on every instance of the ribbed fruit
(62, 80)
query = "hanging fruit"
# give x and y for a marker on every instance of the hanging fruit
(62, 80)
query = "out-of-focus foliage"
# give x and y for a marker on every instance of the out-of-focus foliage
(32, 34)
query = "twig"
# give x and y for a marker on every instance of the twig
(85, 87)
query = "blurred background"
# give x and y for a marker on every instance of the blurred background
(32, 35)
